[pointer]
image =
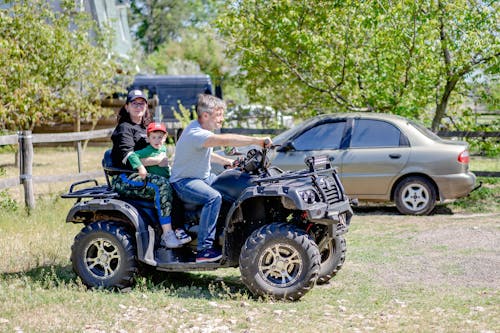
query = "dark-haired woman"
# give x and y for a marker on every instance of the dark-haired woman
(129, 136)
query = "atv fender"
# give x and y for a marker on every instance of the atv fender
(119, 212)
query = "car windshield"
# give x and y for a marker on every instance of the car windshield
(282, 137)
(425, 131)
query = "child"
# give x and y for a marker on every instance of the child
(157, 134)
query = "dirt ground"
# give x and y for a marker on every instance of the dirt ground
(460, 249)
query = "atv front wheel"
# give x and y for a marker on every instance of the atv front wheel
(103, 255)
(332, 258)
(280, 261)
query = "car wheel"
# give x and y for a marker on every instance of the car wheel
(280, 261)
(332, 253)
(415, 196)
(103, 255)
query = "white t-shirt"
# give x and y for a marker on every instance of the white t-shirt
(191, 159)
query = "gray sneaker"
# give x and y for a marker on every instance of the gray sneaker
(169, 240)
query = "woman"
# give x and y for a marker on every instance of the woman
(129, 136)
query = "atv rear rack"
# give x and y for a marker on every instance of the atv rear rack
(97, 191)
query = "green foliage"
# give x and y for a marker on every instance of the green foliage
(484, 199)
(401, 57)
(7, 203)
(178, 38)
(53, 64)
(184, 116)
(465, 119)
(161, 21)
(195, 53)
(254, 116)
(485, 146)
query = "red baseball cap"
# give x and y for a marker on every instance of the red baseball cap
(153, 127)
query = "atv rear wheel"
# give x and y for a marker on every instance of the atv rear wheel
(104, 255)
(280, 261)
(332, 258)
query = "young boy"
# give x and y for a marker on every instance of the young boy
(157, 134)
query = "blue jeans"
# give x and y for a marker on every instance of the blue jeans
(199, 192)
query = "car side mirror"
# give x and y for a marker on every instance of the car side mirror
(287, 146)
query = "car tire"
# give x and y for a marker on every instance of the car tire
(333, 254)
(103, 255)
(415, 196)
(279, 261)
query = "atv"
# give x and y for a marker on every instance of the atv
(284, 230)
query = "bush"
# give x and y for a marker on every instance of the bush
(7, 203)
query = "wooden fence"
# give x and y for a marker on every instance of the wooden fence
(26, 139)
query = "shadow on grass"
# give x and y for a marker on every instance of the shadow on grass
(46, 276)
(372, 209)
(195, 284)
(180, 284)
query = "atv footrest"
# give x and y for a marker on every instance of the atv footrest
(188, 266)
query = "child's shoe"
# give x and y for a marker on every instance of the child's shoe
(169, 240)
(182, 236)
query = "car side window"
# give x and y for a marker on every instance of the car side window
(323, 136)
(374, 133)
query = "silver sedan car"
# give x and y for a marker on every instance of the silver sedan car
(381, 157)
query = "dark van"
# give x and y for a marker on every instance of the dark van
(172, 90)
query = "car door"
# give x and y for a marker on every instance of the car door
(377, 152)
(320, 138)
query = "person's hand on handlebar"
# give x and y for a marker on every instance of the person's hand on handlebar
(236, 163)
(267, 142)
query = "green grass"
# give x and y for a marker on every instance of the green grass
(484, 199)
(398, 277)
(484, 163)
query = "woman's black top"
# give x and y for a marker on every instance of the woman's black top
(127, 138)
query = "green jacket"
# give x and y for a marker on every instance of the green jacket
(149, 151)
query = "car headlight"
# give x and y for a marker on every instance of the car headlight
(309, 196)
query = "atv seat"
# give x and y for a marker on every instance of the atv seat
(145, 206)
(109, 169)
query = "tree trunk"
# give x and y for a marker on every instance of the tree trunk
(443, 103)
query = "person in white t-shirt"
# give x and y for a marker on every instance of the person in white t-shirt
(191, 177)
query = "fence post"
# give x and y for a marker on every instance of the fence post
(26, 167)
(79, 155)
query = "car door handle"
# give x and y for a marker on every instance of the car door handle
(394, 156)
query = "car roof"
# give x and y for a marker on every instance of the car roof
(353, 115)
(399, 120)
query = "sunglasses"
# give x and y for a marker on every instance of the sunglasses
(137, 104)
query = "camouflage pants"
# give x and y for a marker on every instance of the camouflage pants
(157, 189)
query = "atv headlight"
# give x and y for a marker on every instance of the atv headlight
(309, 196)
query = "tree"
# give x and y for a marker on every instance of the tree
(468, 41)
(159, 21)
(202, 49)
(377, 56)
(178, 37)
(50, 66)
